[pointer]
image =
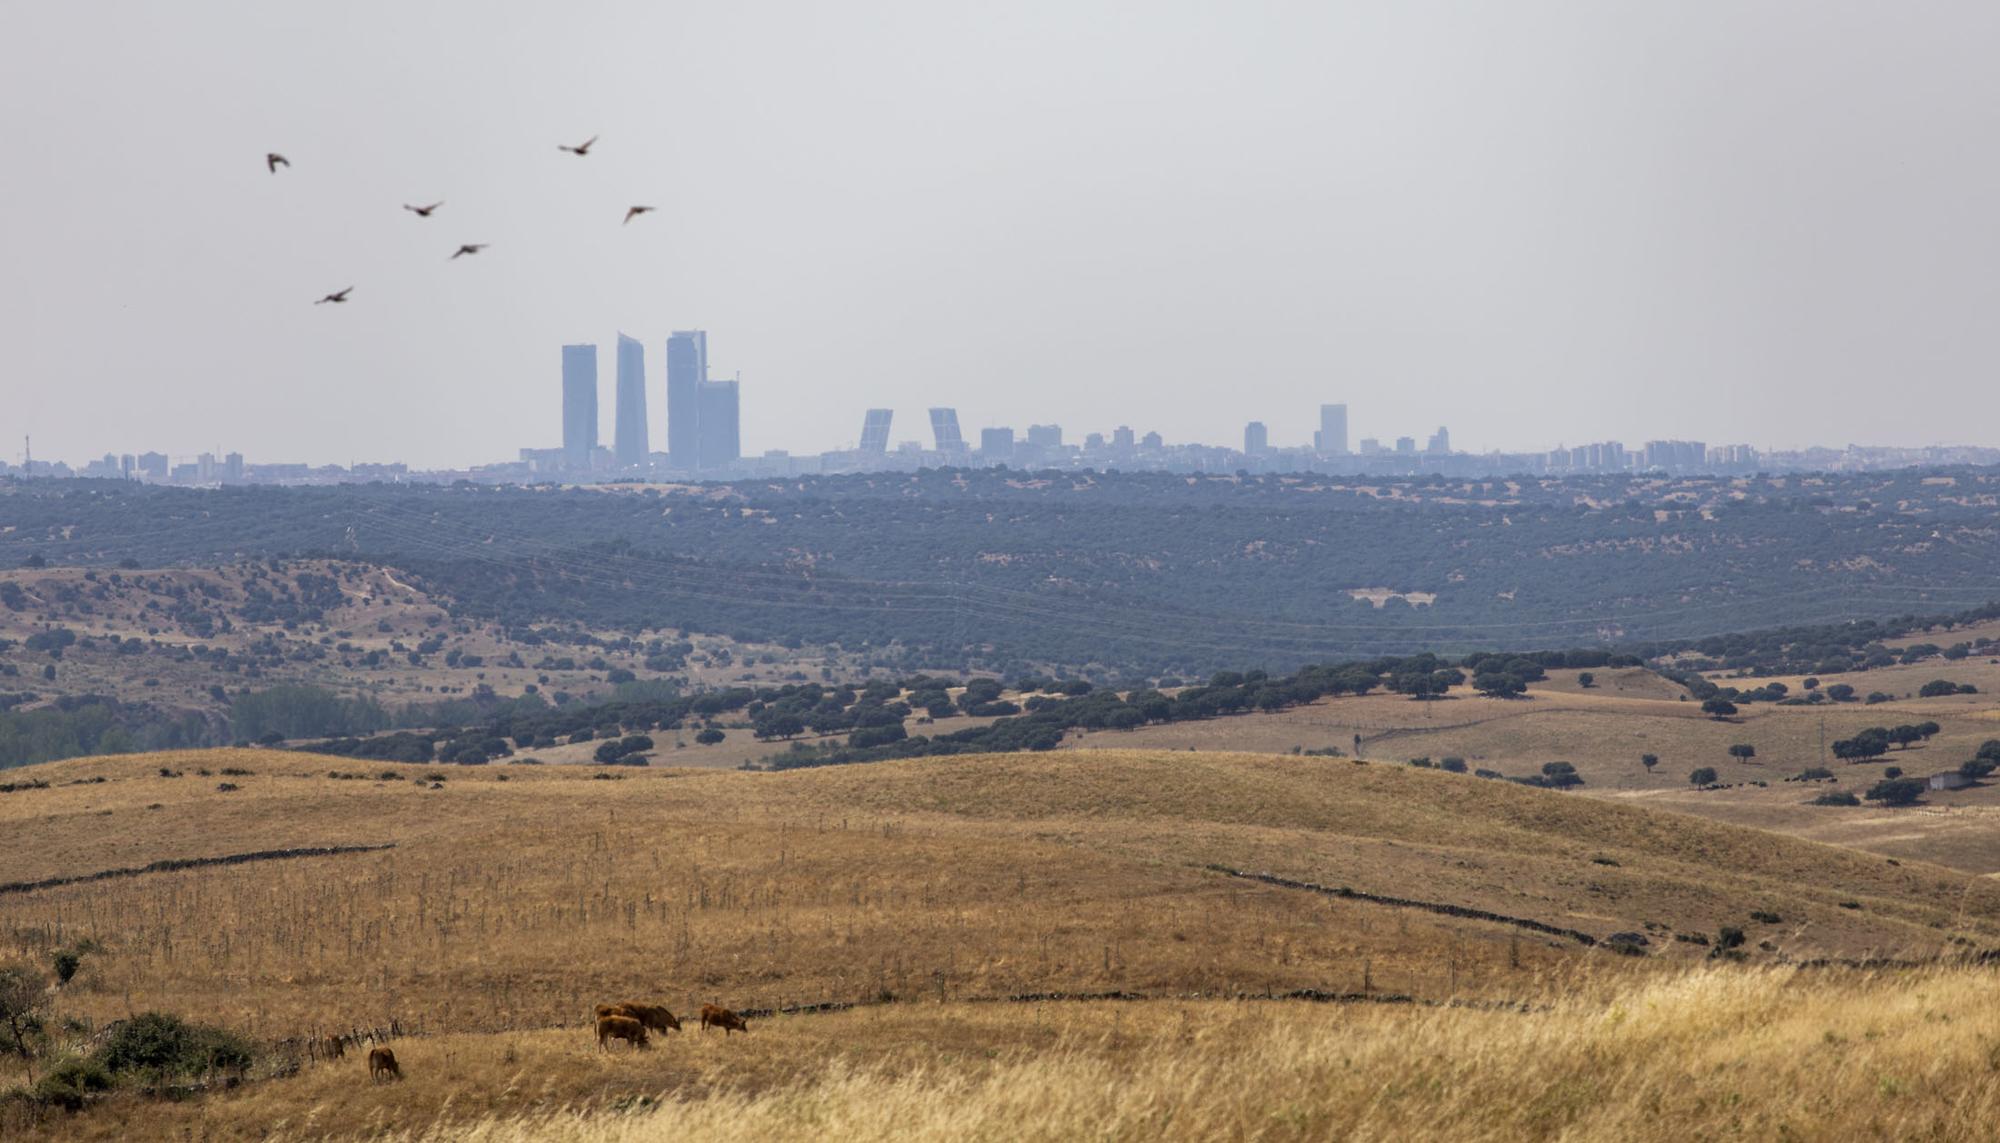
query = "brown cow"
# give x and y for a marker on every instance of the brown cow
(334, 1047)
(719, 1017)
(652, 1016)
(616, 1027)
(382, 1061)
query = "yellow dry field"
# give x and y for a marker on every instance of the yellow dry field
(515, 898)
(1605, 730)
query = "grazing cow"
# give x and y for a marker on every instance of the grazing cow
(381, 1062)
(334, 1047)
(719, 1017)
(620, 1028)
(652, 1016)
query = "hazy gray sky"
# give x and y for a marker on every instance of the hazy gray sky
(1536, 221)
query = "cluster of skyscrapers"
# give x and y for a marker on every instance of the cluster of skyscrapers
(704, 441)
(704, 416)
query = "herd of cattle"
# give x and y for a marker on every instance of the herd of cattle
(628, 1021)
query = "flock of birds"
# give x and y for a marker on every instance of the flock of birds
(273, 160)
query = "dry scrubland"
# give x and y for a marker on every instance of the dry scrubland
(377, 610)
(1605, 729)
(516, 897)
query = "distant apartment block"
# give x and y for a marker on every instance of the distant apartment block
(629, 444)
(1045, 436)
(579, 408)
(996, 444)
(718, 413)
(1331, 439)
(1256, 438)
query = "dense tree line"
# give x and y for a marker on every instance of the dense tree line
(1130, 574)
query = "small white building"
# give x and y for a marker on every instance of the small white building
(1949, 780)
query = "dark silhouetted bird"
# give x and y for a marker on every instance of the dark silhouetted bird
(336, 299)
(274, 160)
(423, 211)
(468, 248)
(634, 213)
(584, 149)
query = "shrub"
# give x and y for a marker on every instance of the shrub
(69, 1083)
(1837, 798)
(1765, 917)
(1813, 774)
(65, 962)
(1454, 765)
(1729, 937)
(161, 1046)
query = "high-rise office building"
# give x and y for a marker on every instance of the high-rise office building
(1045, 436)
(232, 466)
(579, 375)
(875, 431)
(1121, 440)
(1406, 445)
(1256, 438)
(996, 444)
(718, 412)
(153, 464)
(1152, 442)
(687, 369)
(1440, 442)
(1331, 440)
(944, 430)
(629, 445)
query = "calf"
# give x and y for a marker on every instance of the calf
(625, 1028)
(719, 1017)
(381, 1062)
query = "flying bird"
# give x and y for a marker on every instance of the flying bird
(580, 150)
(469, 248)
(634, 213)
(336, 299)
(423, 211)
(274, 160)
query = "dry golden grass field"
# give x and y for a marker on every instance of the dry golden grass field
(516, 897)
(1605, 730)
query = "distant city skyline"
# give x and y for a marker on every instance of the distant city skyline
(1758, 221)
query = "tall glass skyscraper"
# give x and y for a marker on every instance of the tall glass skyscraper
(629, 444)
(579, 373)
(687, 371)
(1331, 439)
(875, 430)
(721, 442)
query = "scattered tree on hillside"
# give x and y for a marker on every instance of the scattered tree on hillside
(1649, 761)
(710, 736)
(1896, 792)
(1702, 777)
(1560, 775)
(22, 992)
(1586, 680)
(1743, 752)
(1718, 708)
(1870, 743)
